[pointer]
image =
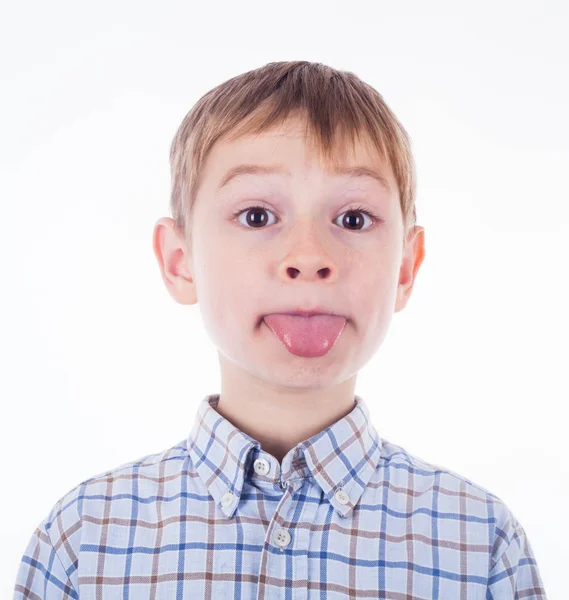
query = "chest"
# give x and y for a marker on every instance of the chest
(292, 545)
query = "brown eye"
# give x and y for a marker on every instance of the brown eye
(254, 216)
(353, 220)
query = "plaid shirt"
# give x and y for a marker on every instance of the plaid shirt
(346, 515)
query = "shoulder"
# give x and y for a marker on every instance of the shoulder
(50, 562)
(90, 499)
(447, 491)
(395, 455)
(467, 511)
(146, 469)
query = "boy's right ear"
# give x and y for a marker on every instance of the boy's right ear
(174, 260)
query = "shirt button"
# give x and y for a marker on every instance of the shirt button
(227, 499)
(342, 497)
(261, 466)
(281, 537)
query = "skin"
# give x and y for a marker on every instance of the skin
(306, 253)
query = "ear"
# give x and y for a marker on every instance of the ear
(174, 260)
(412, 259)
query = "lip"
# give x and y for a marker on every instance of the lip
(304, 313)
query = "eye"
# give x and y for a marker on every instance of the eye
(258, 222)
(352, 217)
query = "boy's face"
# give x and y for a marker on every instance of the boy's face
(301, 252)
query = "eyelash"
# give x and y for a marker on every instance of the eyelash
(361, 209)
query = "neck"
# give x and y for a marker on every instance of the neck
(280, 418)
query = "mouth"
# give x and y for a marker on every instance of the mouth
(306, 333)
(299, 313)
(304, 313)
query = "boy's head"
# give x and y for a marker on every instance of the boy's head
(308, 244)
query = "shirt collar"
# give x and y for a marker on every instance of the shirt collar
(342, 456)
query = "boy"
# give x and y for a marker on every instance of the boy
(284, 489)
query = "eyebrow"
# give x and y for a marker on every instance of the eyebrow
(252, 169)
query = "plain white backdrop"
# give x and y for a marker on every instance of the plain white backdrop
(99, 366)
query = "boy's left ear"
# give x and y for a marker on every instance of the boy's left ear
(173, 260)
(412, 260)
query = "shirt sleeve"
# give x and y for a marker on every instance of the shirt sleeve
(41, 574)
(515, 573)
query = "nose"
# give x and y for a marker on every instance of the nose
(307, 257)
(322, 273)
(309, 262)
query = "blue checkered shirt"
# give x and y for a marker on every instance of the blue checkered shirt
(346, 515)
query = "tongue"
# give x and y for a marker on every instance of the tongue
(306, 336)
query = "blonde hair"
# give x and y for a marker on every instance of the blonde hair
(334, 102)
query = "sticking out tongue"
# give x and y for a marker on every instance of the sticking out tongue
(306, 336)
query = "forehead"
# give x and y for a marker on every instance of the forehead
(294, 147)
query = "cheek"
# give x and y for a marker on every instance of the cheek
(213, 311)
(216, 271)
(227, 286)
(213, 280)
(375, 288)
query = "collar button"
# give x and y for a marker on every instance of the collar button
(342, 497)
(227, 499)
(261, 466)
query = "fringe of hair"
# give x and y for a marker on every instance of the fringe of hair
(339, 109)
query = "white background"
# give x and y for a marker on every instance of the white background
(99, 366)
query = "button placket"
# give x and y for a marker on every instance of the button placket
(281, 537)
